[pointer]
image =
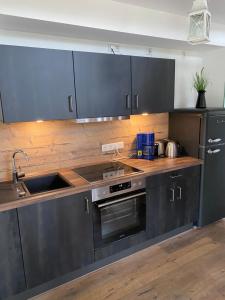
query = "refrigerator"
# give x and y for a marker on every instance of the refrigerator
(201, 133)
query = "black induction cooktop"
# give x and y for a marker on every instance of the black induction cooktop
(105, 171)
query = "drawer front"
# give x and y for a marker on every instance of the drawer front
(171, 177)
(215, 130)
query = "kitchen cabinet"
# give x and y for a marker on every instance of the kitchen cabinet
(103, 85)
(40, 84)
(104, 81)
(36, 84)
(12, 279)
(57, 237)
(173, 200)
(152, 85)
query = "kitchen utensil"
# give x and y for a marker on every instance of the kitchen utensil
(161, 147)
(172, 149)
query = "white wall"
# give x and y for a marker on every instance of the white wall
(104, 14)
(214, 63)
(109, 15)
(186, 65)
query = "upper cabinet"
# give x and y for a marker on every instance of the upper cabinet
(103, 85)
(152, 85)
(36, 84)
(44, 84)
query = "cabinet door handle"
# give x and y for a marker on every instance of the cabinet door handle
(180, 193)
(211, 141)
(137, 101)
(173, 195)
(87, 208)
(128, 102)
(213, 151)
(70, 99)
(175, 176)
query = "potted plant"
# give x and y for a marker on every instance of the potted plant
(200, 84)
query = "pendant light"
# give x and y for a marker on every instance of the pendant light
(199, 23)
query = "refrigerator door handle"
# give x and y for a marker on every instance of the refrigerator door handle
(214, 151)
(211, 141)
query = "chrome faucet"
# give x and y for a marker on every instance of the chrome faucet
(17, 174)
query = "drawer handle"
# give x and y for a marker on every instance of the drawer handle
(180, 193)
(173, 195)
(211, 141)
(213, 151)
(218, 121)
(175, 176)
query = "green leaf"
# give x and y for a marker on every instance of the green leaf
(200, 81)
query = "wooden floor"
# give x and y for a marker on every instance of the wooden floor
(190, 266)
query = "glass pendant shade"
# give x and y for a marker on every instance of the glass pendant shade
(199, 26)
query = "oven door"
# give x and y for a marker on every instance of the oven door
(119, 217)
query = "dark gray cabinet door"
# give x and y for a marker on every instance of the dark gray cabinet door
(173, 200)
(12, 279)
(152, 85)
(165, 213)
(103, 85)
(188, 196)
(36, 84)
(57, 237)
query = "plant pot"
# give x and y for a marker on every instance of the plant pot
(201, 103)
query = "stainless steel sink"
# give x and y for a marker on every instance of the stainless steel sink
(47, 183)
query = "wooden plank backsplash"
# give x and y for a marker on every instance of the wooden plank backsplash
(58, 144)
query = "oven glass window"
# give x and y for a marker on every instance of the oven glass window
(122, 219)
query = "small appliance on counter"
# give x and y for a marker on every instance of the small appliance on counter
(146, 146)
(172, 149)
(160, 148)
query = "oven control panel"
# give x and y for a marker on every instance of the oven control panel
(121, 188)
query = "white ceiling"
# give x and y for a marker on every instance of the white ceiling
(181, 7)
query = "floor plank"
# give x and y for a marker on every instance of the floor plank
(190, 266)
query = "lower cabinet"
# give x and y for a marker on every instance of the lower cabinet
(44, 241)
(173, 200)
(12, 279)
(57, 237)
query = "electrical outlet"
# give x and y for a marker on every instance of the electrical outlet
(112, 147)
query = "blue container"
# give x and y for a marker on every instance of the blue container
(145, 145)
(149, 152)
(140, 143)
(149, 146)
(150, 139)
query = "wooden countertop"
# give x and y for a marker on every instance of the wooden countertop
(9, 200)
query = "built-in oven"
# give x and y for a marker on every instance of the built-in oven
(119, 212)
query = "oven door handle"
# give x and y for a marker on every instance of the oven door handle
(120, 200)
